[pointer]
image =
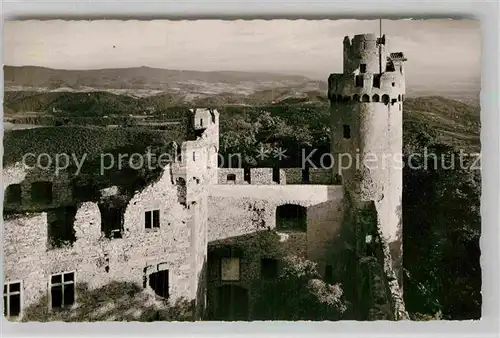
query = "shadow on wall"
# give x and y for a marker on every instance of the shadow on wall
(201, 293)
(117, 301)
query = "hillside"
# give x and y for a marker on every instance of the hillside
(189, 85)
(455, 123)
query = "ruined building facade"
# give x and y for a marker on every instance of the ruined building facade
(206, 234)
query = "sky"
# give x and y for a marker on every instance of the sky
(437, 50)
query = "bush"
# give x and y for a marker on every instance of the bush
(299, 293)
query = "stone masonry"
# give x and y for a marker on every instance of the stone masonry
(195, 208)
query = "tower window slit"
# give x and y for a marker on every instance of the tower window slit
(359, 80)
(347, 131)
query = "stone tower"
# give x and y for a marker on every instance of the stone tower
(194, 173)
(366, 143)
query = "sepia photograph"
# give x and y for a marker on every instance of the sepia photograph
(241, 170)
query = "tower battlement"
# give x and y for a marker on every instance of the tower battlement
(386, 87)
(370, 74)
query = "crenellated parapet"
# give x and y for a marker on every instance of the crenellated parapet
(370, 73)
(386, 87)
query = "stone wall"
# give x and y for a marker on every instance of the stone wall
(250, 249)
(293, 175)
(320, 176)
(13, 174)
(238, 175)
(244, 218)
(264, 176)
(62, 193)
(324, 225)
(237, 211)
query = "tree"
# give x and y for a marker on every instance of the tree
(299, 293)
(441, 229)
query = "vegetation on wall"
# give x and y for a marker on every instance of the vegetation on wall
(116, 301)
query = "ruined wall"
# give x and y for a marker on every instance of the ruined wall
(264, 176)
(293, 175)
(62, 193)
(244, 218)
(236, 211)
(258, 176)
(13, 174)
(324, 225)
(97, 260)
(25, 249)
(238, 175)
(179, 244)
(250, 249)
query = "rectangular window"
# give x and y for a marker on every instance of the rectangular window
(230, 269)
(362, 68)
(246, 174)
(12, 299)
(269, 268)
(276, 175)
(328, 274)
(376, 80)
(62, 290)
(347, 131)
(359, 81)
(152, 219)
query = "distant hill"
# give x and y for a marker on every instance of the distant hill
(190, 86)
(142, 78)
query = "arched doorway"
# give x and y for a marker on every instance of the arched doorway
(232, 303)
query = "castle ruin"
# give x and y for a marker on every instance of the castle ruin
(192, 233)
